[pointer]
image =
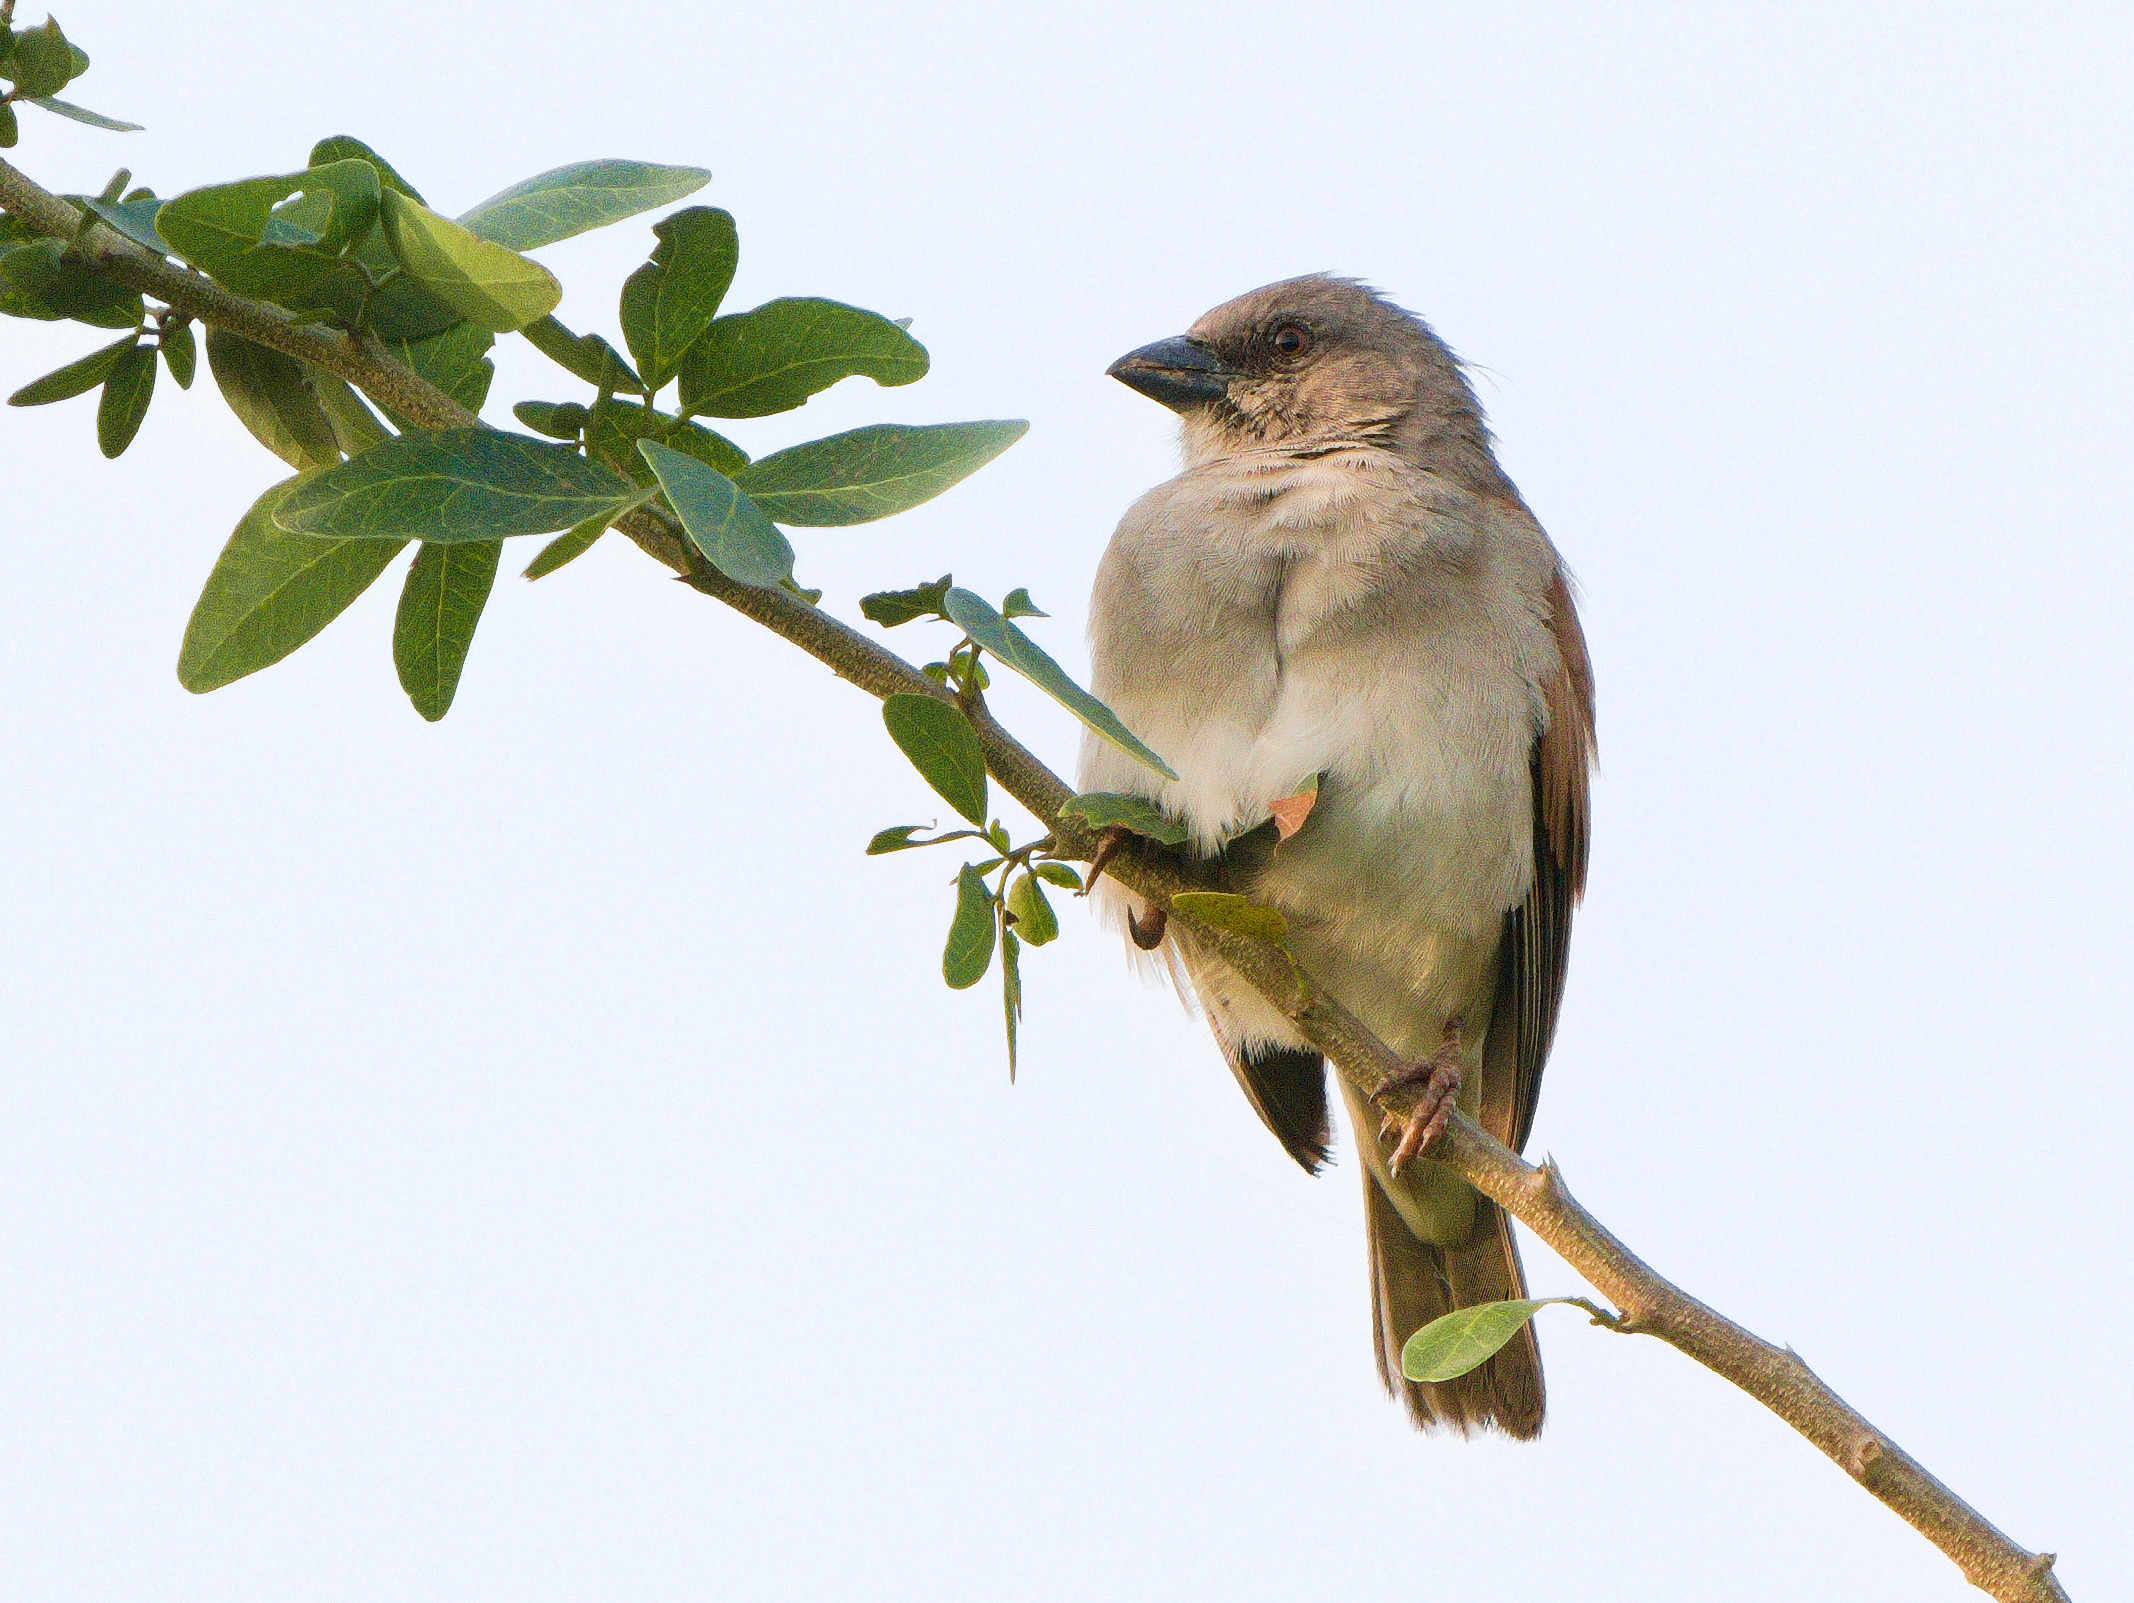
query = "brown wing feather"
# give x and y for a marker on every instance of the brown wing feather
(1537, 933)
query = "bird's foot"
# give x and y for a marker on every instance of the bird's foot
(1147, 933)
(1439, 1077)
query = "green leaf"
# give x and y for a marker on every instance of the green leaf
(355, 426)
(559, 420)
(873, 472)
(136, 219)
(346, 147)
(969, 952)
(943, 746)
(10, 129)
(447, 587)
(569, 546)
(721, 522)
(1035, 921)
(42, 281)
(976, 617)
(76, 378)
(1055, 873)
(773, 358)
(899, 839)
(570, 200)
(95, 119)
(484, 282)
(42, 62)
(456, 361)
(453, 486)
(270, 592)
(584, 356)
(268, 392)
(1011, 990)
(1240, 915)
(180, 354)
(669, 302)
(1107, 809)
(1019, 605)
(892, 607)
(1465, 1339)
(277, 237)
(127, 391)
(615, 427)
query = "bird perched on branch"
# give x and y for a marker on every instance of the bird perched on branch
(1343, 587)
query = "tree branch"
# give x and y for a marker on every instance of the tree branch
(1536, 1196)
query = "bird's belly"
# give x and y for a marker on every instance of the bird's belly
(1422, 836)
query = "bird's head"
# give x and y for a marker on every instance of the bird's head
(1312, 363)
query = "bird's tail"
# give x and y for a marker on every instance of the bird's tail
(1413, 1282)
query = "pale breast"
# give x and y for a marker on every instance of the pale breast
(1261, 623)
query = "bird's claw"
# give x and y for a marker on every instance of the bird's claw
(1108, 845)
(1439, 1078)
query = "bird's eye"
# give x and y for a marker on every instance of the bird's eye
(1292, 340)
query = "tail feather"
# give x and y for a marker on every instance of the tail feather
(1413, 1282)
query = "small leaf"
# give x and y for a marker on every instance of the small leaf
(585, 356)
(268, 393)
(1035, 921)
(95, 119)
(873, 472)
(1238, 914)
(559, 420)
(76, 378)
(484, 282)
(270, 592)
(454, 485)
(898, 839)
(570, 200)
(1291, 811)
(346, 147)
(180, 354)
(127, 392)
(42, 62)
(1103, 809)
(669, 302)
(773, 358)
(569, 546)
(976, 617)
(10, 129)
(943, 746)
(1011, 990)
(720, 521)
(136, 219)
(1019, 605)
(447, 587)
(892, 607)
(1453, 1344)
(969, 952)
(1063, 875)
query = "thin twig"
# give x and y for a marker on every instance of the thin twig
(1536, 1196)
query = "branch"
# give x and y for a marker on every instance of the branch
(1649, 1303)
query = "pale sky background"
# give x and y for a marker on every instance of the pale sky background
(533, 1157)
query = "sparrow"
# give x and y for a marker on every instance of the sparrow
(1343, 589)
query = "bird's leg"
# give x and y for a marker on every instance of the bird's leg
(1439, 1076)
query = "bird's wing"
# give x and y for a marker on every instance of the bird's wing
(1537, 932)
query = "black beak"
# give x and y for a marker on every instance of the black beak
(1180, 373)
